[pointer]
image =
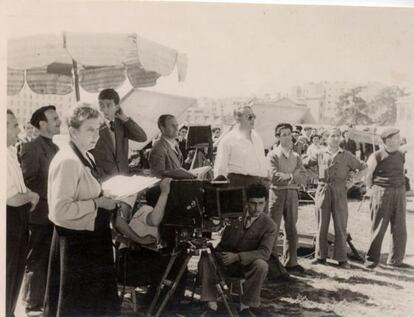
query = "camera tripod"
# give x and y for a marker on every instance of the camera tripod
(193, 247)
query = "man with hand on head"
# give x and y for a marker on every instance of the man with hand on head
(35, 160)
(111, 150)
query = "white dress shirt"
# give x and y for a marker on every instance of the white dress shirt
(237, 154)
(15, 181)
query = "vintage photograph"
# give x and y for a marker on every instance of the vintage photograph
(208, 159)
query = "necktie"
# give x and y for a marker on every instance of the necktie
(112, 126)
(247, 222)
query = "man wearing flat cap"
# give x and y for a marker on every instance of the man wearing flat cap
(388, 205)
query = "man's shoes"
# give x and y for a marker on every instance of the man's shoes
(246, 313)
(400, 265)
(344, 265)
(34, 312)
(370, 264)
(295, 269)
(208, 312)
(282, 278)
(316, 261)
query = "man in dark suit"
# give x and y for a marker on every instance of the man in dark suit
(166, 159)
(347, 143)
(111, 150)
(244, 250)
(35, 160)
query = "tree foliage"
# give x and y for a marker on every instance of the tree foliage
(385, 103)
(352, 108)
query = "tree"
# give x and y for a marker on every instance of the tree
(352, 108)
(385, 104)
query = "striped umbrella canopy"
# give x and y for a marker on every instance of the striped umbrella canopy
(59, 63)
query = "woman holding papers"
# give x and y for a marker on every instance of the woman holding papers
(81, 277)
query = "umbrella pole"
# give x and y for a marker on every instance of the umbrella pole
(76, 79)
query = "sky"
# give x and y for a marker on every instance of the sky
(245, 49)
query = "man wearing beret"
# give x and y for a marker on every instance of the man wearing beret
(388, 205)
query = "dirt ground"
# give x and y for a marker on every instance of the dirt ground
(328, 290)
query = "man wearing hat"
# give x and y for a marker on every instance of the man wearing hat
(386, 178)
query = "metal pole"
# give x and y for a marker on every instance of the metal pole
(76, 79)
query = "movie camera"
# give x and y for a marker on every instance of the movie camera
(197, 207)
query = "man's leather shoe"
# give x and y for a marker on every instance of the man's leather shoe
(370, 264)
(400, 265)
(318, 261)
(295, 269)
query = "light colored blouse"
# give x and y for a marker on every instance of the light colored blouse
(15, 181)
(71, 190)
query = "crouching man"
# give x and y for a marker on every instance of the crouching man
(244, 250)
(143, 265)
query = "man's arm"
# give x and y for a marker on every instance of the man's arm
(222, 159)
(371, 165)
(276, 176)
(133, 131)
(30, 164)
(157, 161)
(264, 250)
(155, 217)
(121, 225)
(299, 174)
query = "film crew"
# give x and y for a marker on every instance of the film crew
(143, 264)
(240, 153)
(334, 166)
(81, 275)
(20, 201)
(35, 159)
(111, 150)
(386, 179)
(165, 158)
(244, 251)
(286, 174)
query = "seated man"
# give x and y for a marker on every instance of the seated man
(244, 250)
(144, 265)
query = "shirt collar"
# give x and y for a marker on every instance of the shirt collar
(171, 143)
(283, 151)
(340, 150)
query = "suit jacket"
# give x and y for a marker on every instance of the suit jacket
(349, 145)
(112, 160)
(35, 159)
(163, 158)
(253, 243)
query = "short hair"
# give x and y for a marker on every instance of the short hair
(239, 110)
(282, 126)
(39, 115)
(315, 136)
(216, 129)
(345, 131)
(109, 94)
(256, 191)
(162, 119)
(299, 128)
(10, 112)
(330, 130)
(80, 114)
(183, 127)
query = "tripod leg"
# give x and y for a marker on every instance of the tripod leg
(174, 285)
(162, 284)
(221, 287)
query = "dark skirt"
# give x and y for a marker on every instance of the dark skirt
(81, 277)
(16, 251)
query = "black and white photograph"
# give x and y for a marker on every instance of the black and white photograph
(208, 158)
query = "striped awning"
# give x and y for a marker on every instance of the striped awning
(102, 60)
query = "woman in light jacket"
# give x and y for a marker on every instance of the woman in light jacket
(81, 276)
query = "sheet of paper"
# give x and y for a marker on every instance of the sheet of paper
(119, 187)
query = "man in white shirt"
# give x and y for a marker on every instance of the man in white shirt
(240, 154)
(20, 201)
